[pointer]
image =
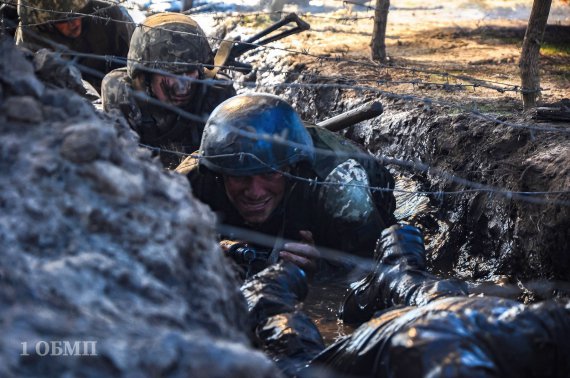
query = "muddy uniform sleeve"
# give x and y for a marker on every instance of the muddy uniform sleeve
(351, 221)
(333, 149)
(116, 94)
(353, 215)
(284, 333)
(399, 278)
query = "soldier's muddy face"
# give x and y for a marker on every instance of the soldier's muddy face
(70, 28)
(255, 197)
(175, 90)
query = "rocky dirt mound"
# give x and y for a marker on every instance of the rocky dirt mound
(99, 244)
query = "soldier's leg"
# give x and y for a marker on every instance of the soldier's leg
(285, 334)
(458, 337)
(399, 277)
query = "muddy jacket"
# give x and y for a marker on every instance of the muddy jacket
(347, 219)
(458, 337)
(160, 127)
(98, 36)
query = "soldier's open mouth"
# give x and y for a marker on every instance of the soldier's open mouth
(254, 206)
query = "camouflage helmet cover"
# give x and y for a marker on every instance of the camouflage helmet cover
(168, 42)
(34, 12)
(252, 134)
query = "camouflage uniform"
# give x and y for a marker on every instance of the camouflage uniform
(345, 217)
(108, 33)
(172, 43)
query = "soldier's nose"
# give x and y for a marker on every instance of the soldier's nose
(255, 188)
(182, 86)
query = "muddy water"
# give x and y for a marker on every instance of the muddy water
(322, 305)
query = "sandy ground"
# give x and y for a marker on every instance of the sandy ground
(481, 39)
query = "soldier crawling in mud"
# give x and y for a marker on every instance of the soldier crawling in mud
(256, 156)
(417, 325)
(253, 148)
(166, 52)
(78, 26)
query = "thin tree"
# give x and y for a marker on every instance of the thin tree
(378, 43)
(528, 63)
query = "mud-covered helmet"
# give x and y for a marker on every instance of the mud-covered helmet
(252, 134)
(33, 12)
(169, 42)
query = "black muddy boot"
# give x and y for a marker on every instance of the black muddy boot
(399, 277)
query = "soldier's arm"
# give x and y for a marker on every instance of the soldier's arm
(352, 220)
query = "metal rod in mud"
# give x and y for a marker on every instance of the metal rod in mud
(367, 111)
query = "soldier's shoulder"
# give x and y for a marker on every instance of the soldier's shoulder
(119, 74)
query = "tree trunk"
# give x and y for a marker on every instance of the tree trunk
(378, 43)
(530, 80)
(187, 5)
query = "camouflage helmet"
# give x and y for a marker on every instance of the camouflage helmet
(168, 42)
(252, 134)
(34, 12)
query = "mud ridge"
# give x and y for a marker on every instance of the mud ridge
(100, 244)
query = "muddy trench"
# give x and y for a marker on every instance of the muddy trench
(502, 243)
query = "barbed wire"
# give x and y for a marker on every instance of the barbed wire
(67, 14)
(219, 15)
(406, 97)
(474, 81)
(544, 288)
(426, 101)
(418, 166)
(391, 8)
(414, 82)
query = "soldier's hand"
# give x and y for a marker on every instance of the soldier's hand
(303, 254)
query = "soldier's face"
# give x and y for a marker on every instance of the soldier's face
(71, 28)
(175, 90)
(255, 197)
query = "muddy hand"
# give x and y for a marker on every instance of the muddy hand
(303, 254)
